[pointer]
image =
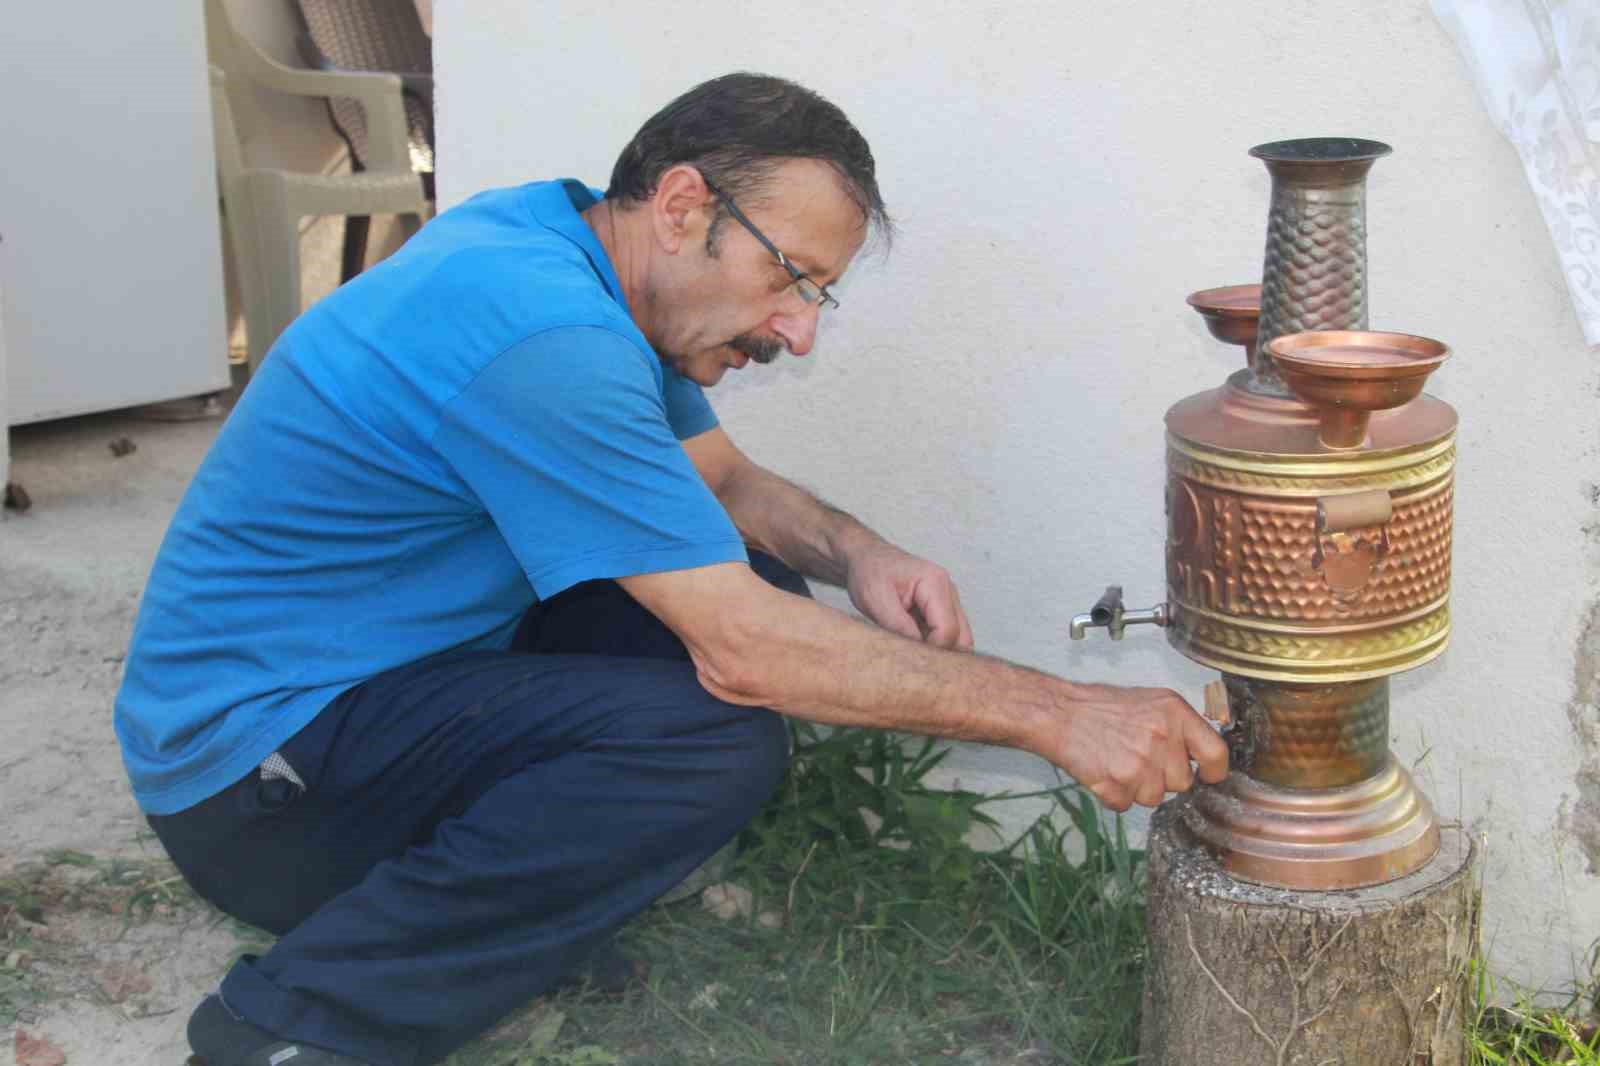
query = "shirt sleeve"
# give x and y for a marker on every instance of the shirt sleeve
(567, 442)
(687, 408)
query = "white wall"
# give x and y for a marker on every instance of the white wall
(5, 421)
(991, 395)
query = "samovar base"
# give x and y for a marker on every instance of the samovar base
(1374, 831)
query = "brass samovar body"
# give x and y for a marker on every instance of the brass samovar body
(1308, 545)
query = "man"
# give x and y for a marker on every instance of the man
(454, 657)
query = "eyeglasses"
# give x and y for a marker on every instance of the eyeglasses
(809, 291)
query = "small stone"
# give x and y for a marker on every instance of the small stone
(769, 920)
(120, 980)
(36, 1051)
(707, 997)
(728, 900)
(122, 446)
(16, 498)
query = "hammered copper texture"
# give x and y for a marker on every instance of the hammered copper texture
(1314, 736)
(1315, 271)
(1256, 589)
(1258, 558)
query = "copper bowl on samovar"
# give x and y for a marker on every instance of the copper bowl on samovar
(1309, 510)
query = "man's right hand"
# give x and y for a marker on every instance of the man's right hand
(1134, 745)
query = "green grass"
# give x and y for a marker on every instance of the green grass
(886, 938)
(1529, 1033)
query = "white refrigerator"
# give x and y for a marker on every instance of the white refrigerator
(111, 273)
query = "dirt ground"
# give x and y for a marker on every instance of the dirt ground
(101, 958)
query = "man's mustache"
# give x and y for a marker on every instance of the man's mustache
(761, 350)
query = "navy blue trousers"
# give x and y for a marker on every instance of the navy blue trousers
(474, 824)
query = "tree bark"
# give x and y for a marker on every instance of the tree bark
(1241, 974)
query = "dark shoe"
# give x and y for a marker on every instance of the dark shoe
(220, 1039)
(607, 972)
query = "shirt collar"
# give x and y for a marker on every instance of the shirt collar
(557, 206)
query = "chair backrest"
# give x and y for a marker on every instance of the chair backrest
(369, 34)
(382, 35)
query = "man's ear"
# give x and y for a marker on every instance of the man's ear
(676, 211)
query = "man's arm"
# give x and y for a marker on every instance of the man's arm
(895, 589)
(756, 645)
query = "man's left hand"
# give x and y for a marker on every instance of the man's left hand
(908, 596)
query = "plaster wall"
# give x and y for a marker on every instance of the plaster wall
(991, 393)
(5, 420)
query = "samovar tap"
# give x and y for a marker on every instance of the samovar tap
(1109, 614)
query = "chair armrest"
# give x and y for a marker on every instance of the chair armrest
(418, 83)
(378, 92)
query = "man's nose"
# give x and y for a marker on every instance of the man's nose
(798, 330)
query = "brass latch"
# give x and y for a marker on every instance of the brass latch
(1346, 561)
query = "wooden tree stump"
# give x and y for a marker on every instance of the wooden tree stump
(1240, 974)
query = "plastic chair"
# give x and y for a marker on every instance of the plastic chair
(367, 35)
(263, 206)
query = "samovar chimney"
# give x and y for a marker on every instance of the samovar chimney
(1315, 272)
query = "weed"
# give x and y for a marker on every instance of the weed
(1527, 1034)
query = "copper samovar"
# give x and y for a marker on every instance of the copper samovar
(1309, 506)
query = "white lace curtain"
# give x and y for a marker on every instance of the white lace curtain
(1536, 64)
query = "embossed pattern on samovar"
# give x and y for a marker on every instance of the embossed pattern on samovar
(1309, 509)
(1257, 586)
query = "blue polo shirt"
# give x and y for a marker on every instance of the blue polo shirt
(471, 424)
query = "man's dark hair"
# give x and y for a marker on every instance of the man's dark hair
(737, 130)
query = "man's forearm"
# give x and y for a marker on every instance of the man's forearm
(785, 520)
(819, 664)
(765, 648)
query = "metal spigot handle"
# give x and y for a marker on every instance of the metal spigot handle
(1109, 614)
